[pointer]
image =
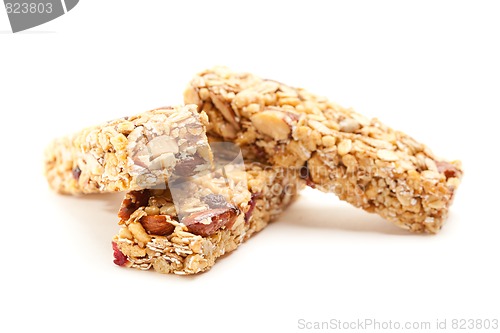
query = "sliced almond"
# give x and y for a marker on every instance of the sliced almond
(225, 109)
(162, 144)
(162, 162)
(273, 123)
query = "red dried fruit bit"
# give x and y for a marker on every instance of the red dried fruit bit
(120, 258)
(310, 183)
(306, 175)
(252, 203)
(132, 201)
(76, 172)
(218, 218)
(157, 225)
(448, 169)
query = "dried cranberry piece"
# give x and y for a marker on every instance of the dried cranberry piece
(252, 203)
(120, 258)
(306, 175)
(448, 169)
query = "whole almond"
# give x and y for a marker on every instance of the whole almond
(157, 225)
(207, 222)
(132, 201)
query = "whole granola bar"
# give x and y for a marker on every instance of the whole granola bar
(363, 161)
(129, 153)
(223, 212)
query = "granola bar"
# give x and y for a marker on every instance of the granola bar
(129, 153)
(221, 215)
(363, 161)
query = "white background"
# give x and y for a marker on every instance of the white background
(430, 68)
